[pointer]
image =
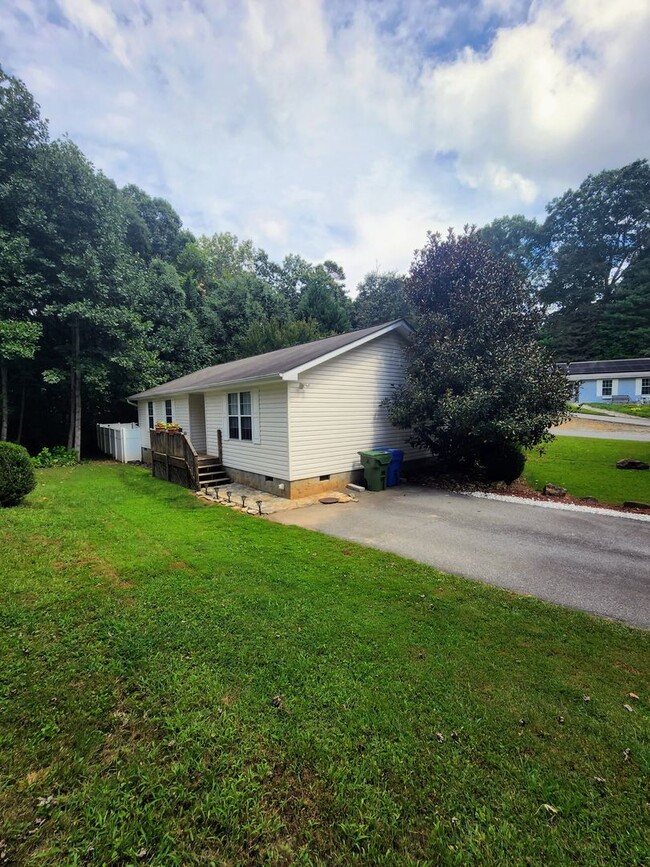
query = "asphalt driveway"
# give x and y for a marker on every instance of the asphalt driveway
(581, 559)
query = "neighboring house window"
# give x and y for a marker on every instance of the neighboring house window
(240, 415)
(168, 412)
(152, 423)
(607, 388)
(645, 385)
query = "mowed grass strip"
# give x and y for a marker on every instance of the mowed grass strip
(586, 467)
(638, 410)
(184, 685)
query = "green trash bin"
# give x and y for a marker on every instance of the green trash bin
(375, 464)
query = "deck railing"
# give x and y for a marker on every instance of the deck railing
(174, 459)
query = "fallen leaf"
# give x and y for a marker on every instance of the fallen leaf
(551, 809)
(586, 698)
(626, 754)
(440, 737)
(632, 695)
(629, 708)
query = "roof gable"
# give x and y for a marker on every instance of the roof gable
(280, 364)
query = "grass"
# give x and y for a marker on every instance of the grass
(584, 410)
(586, 467)
(638, 410)
(185, 685)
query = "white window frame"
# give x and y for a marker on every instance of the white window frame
(254, 416)
(609, 386)
(151, 414)
(169, 411)
(600, 383)
(644, 386)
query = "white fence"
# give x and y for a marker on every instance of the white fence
(120, 440)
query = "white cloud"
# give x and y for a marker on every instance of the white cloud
(341, 130)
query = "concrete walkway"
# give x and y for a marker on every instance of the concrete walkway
(597, 563)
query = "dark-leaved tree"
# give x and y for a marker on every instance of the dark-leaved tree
(477, 377)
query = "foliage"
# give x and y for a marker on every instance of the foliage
(586, 467)
(17, 477)
(624, 329)
(103, 293)
(58, 456)
(588, 264)
(502, 462)
(523, 241)
(380, 298)
(477, 375)
(266, 336)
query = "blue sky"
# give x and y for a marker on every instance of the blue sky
(340, 129)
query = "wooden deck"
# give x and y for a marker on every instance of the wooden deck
(175, 459)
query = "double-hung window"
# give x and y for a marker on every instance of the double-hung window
(607, 388)
(152, 423)
(168, 412)
(645, 385)
(240, 415)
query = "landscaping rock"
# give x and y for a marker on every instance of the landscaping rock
(631, 504)
(554, 491)
(592, 501)
(632, 464)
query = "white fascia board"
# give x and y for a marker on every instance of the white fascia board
(574, 377)
(292, 375)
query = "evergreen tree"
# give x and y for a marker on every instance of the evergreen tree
(477, 376)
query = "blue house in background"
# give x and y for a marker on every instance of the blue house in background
(611, 381)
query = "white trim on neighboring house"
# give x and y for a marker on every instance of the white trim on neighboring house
(599, 386)
(292, 375)
(638, 389)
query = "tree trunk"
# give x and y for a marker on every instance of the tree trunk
(77, 394)
(21, 416)
(71, 405)
(5, 401)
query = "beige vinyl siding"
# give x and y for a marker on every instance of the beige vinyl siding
(269, 456)
(181, 411)
(143, 422)
(335, 409)
(197, 422)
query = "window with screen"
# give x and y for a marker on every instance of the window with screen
(152, 424)
(168, 412)
(645, 385)
(607, 387)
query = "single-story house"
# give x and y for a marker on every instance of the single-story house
(291, 421)
(600, 381)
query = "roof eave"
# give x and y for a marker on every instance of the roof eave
(146, 395)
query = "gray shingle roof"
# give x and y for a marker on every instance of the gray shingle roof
(266, 366)
(622, 365)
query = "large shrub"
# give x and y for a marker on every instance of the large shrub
(502, 462)
(17, 477)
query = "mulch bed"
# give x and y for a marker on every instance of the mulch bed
(516, 489)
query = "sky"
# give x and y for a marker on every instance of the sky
(340, 129)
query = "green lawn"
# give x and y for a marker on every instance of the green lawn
(642, 411)
(184, 685)
(586, 467)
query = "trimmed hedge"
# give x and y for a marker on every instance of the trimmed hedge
(17, 476)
